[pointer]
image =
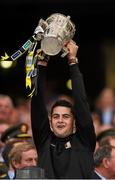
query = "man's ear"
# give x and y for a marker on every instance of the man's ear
(50, 122)
(15, 164)
(106, 163)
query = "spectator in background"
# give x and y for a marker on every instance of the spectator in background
(8, 113)
(99, 127)
(104, 159)
(6, 108)
(19, 131)
(105, 106)
(104, 136)
(22, 155)
(14, 114)
(13, 135)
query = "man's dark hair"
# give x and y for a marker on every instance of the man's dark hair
(63, 103)
(106, 134)
(101, 153)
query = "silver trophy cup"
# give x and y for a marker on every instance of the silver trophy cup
(58, 30)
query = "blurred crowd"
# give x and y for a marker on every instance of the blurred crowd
(17, 148)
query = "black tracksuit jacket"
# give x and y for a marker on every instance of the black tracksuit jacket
(75, 162)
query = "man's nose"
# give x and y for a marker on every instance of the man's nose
(60, 119)
(33, 163)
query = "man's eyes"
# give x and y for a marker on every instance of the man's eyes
(64, 116)
(55, 116)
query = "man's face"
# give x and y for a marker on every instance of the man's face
(29, 158)
(62, 121)
(5, 109)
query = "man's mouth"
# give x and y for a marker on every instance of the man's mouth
(60, 126)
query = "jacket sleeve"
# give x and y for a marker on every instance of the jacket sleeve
(84, 123)
(39, 114)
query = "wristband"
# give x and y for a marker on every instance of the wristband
(73, 60)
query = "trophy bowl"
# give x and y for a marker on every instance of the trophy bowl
(59, 30)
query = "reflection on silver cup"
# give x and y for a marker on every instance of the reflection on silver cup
(59, 30)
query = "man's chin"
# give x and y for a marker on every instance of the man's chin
(61, 135)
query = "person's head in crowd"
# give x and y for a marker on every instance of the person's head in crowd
(99, 127)
(104, 127)
(63, 119)
(106, 99)
(105, 106)
(105, 135)
(23, 155)
(18, 131)
(12, 136)
(104, 160)
(7, 148)
(6, 108)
